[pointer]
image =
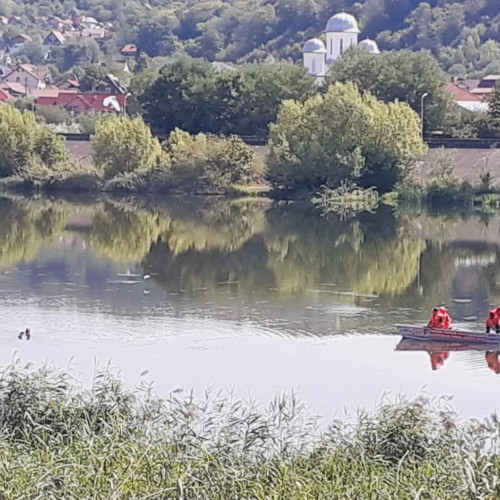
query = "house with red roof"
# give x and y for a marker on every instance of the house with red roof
(16, 90)
(129, 50)
(80, 102)
(70, 83)
(465, 99)
(5, 96)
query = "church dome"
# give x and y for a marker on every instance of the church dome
(370, 45)
(314, 45)
(342, 23)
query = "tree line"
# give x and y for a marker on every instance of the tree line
(463, 35)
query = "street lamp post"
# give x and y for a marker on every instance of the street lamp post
(422, 112)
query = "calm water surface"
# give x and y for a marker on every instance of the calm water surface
(256, 296)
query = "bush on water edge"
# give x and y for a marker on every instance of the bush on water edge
(127, 158)
(60, 440)
(459, 195)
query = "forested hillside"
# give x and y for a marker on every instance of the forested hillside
(463, 35)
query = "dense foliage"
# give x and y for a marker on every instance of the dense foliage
(63, 441)
(124, 145)
(464, 35)
(202, 163)
(26, 144)
(404, 76)
(343, 136)
(190, 95)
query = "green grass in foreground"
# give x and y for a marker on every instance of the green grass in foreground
(59, 440)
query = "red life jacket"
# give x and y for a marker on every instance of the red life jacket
(493, 318)
(441, 319)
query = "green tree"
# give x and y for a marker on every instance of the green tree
(179, 98)
(343, 135)
(24, 143)
(156, 36)
(266, 87)
(400, 76)
(34, 52)
(91, 77)
(123, 145)
(494, 109)
(190, 95)
(71, 55)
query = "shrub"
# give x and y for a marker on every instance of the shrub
(123, 145)
(87, 122)
(25, 143)
(53, 114)
(208, 163)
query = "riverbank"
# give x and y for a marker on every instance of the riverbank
(64, 441)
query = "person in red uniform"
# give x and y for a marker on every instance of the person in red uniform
(440, 319)
(493, 320)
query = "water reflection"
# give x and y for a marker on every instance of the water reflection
(247, 248)
(205, 290)
(439, 352)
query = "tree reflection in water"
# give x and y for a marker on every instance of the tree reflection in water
(284, 249)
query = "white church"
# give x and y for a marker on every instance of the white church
(342, 33)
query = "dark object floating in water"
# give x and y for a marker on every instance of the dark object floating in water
(27, 332)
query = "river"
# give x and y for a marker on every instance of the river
(255, 297)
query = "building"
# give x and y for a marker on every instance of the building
(79, 102)
(20, 40)
(15, 21)
(222, 66)
(486, 86)
(28, 76)
(84, 34)
(313, 53)
(341, 34)
(71, 83)
(85, 22)
(464, 99)
(59, 23)
(5, 96)
(54, 39)
(129, 50)
(16, 90)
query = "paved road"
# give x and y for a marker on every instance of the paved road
(469, 163)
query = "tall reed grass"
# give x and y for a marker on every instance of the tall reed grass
(61, 440)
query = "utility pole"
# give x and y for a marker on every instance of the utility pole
(422, 113)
